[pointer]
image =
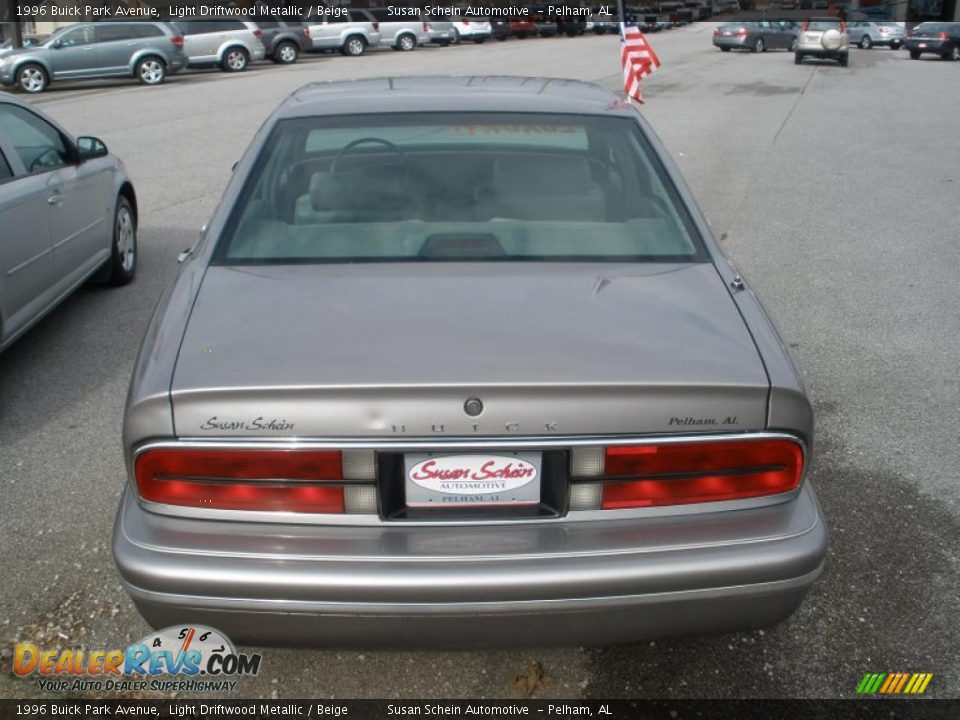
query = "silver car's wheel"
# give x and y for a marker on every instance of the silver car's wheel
(121, 267)
(406, 43)
(235, 60)
(955, 53)
(151, 71)
(866, 43)
(287, 53)
(759, 46)
(354, 46)
(455, 37)
(32, 79)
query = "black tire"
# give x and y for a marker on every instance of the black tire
(235, 59)
(32, 78)
(121, 267)
(914, 54)
(455, 39)
(406, 43)
(844, 60)
(896, 45)
(759, 46)
(793, 45)
(954, 54)
(480, 41)
(723, 49)
(150, 70)
(354, 46)
(866, 43)
(797, 58)
(286, 53)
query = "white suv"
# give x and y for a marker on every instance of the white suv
(823, 38)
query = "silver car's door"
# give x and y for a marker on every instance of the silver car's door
(116, 42)
(26, 260)
(75, 53)
(77, 195)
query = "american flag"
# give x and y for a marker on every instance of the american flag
(637, 59)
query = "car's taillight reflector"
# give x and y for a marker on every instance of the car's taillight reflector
(944, 36)
(289, 480)
(258, 33)
(805, 26)
(680, 473)
(740, 31)
(177, 40)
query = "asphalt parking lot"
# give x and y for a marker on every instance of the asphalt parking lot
(834, 190)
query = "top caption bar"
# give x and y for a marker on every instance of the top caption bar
(80, 10)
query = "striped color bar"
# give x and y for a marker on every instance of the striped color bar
(894, 683)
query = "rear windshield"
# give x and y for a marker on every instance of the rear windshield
(823, 25)
(933, 28)
(445, 186)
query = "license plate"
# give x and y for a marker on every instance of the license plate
(923, 45)
(472, 480)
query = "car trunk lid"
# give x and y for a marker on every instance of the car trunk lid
(394, 350)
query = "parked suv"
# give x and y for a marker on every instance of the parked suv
(401, 34)
(824, 38)
(231, 44)
(148, 51)
(284, 41)
(351, 31)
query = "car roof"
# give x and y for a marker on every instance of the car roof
(452, 94)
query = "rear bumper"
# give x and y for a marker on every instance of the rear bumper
(732, 41)
(555, 582)
(937, 47)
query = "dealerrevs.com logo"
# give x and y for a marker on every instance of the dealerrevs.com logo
(181, 658)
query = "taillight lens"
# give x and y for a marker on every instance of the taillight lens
(258, 33)
(805, 26)
(680, 473)
(376, 27)
(278, 480)
(740, 31)
(177, 40)
(943, 36)
(426, 27)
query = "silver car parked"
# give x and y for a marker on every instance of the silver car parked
(495, 383)
(881, 34)
(349, 31)
(231, 44)
(68, 212)
(400, 35)
(148, 51)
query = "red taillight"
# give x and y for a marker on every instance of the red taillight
(426, 27)
(177, 40)
(242, 479)
(306, 32)
(376, 27)
(258, 33)
(694, 472)
(944, 36)
(465, 23)
(740, 31)
(717, 31)
(805, 26)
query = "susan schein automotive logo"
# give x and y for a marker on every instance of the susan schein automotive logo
(181, 658)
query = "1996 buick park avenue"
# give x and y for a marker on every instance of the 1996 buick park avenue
(457, 361)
